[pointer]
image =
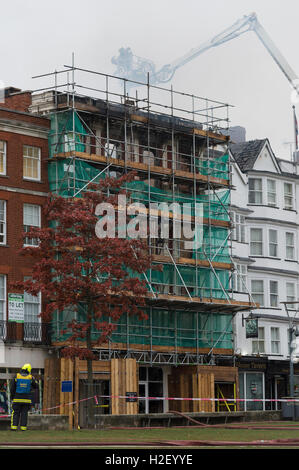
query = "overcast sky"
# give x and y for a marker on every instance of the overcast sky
(39, 37)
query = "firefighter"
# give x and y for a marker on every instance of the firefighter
(21, 397)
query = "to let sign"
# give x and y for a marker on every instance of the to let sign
(16, 308)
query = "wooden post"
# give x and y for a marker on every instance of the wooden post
(66, 373)
(51, 395)
(76, 394)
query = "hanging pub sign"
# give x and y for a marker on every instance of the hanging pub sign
(16, 308)
(251, 327)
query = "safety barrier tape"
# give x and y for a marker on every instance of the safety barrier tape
(234, 400)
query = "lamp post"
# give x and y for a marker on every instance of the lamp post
(291, 338)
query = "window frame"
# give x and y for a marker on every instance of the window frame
(272, 192)
(27, 302)
(240, 277)
(275, 340)
(290, 246)
(4, 300)
(239, 230)
(30, 178)
(255, 191)
(260, 293)
(291, 298)
(26, 225)
(261, 243)
(4, 153)
(271, 243)
(289, 195)
(273, 294)
(259, 341)
(4, 234)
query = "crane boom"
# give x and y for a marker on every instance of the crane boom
(137, 68)
(276, 54)
(239, 27)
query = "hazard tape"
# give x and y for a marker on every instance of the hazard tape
(234, 400)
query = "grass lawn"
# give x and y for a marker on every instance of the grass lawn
(131, 436)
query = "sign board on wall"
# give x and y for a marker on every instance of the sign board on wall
(16, 308)
(252, 328)
(66, 386)
(131, 397)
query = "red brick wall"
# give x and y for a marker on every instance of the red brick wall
(19, 101)
(12, 263)
(26, 118)
(14, 161)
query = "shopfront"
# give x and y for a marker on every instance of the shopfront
(252, 384)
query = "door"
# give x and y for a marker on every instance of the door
(150, 387)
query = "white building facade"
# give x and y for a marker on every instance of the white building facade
(265, 253)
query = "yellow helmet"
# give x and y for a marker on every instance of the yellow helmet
(27, 367)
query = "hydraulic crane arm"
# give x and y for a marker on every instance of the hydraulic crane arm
(237, 29)
(275, 53)
(136, 68)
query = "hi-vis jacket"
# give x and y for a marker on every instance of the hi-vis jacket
(22, 387)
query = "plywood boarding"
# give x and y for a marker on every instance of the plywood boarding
(98, 367)
(67, 398)
(203, 387)
(51, 395)
(198, 382)
(222, 374)
(185, 392)
(123, 380)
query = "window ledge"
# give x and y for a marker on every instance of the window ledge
(33, 180)
(270, 308)
(263, 205)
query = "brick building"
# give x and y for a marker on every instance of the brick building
(23, 191)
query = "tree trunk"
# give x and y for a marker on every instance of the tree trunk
(90, 390)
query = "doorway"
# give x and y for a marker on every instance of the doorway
(101, 405)
(150, 386)
(252, 391)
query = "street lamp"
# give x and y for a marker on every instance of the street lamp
(292, 334)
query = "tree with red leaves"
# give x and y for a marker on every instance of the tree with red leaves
(95, 278)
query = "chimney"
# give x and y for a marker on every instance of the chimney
(16, 99)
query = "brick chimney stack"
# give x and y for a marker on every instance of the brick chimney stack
(16, 99)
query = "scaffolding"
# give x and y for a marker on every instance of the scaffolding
(178, 145)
